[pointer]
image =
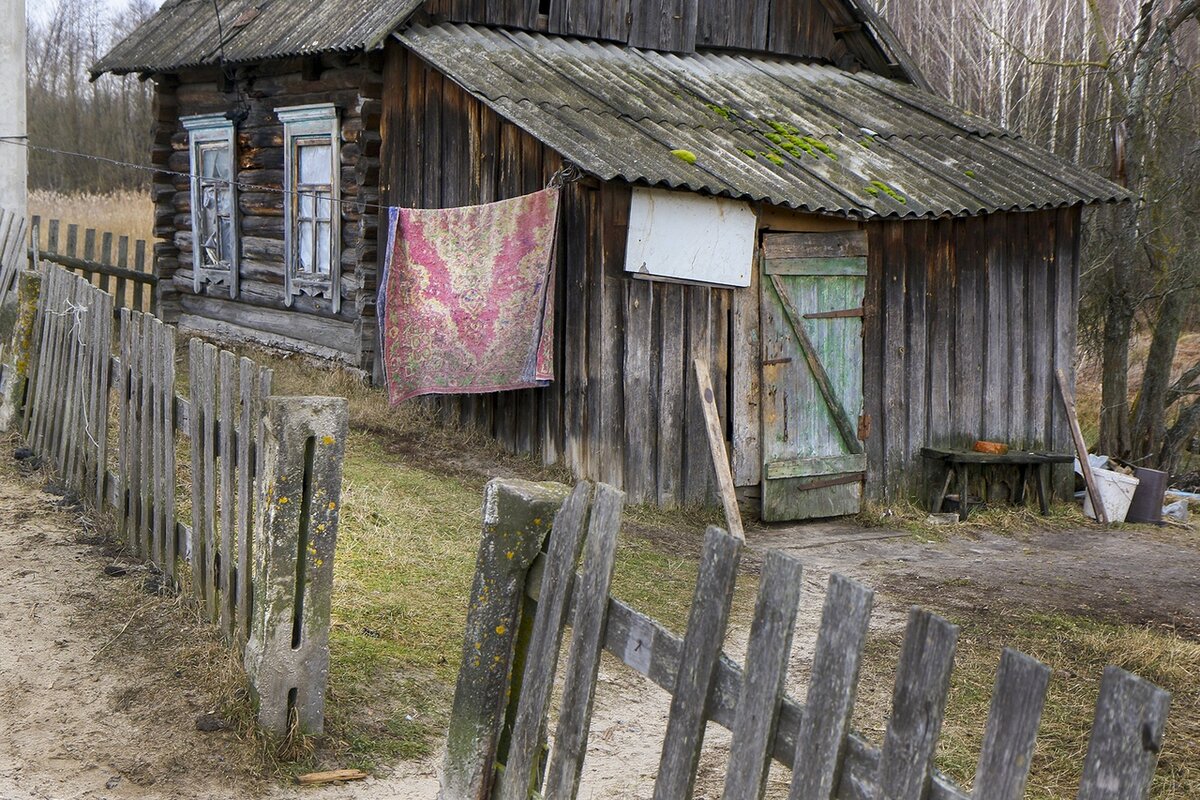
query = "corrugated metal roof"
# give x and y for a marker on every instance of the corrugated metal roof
(184, 33)
(806, 136)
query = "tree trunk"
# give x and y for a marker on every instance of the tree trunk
(1150, 412)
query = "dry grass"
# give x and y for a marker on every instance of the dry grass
(124, 213)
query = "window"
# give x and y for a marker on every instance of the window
(214, 202)
(311, 210)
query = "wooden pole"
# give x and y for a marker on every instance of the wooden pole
(1081, 447)
(716, 448)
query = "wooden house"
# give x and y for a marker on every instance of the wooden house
(767, 183)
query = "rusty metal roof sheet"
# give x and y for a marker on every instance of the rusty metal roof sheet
(807, 136)
(186, 33)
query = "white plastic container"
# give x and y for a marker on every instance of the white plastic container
(1116, 490)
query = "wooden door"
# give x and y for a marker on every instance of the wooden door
(812, 290)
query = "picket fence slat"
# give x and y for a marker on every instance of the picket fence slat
(1127, 735)
(583, 660)
(821, 742)
(226, 368)
(764, 677)
(918, 706)
(104, 324)
(168, 446)
(148, 484)
(1011, 732)
(249, 408)
(694, 679)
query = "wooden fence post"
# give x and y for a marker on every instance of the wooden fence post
(287, 656)
(16, 367)
(517, 515)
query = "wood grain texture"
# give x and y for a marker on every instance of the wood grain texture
(746, 384)
(587, 643)
(664, 25)
(197, 409)
(541, 655)
(716, 449)
(825, 722)
(1009, 738)
(698, 661)
(918, 706)
(1127, 734)
(764, 678)
(226, 477)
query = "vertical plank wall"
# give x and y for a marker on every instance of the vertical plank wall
(966, 321)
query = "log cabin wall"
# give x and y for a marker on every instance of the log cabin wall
(789, 27)
(966, 321)
(623, 406)
(354, 84)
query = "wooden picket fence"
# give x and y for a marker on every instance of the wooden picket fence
(522, 599)
(115, 264)
(12, 251)
(244, 550)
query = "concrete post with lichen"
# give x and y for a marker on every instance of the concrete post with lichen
(517, 515)
(19, 352)
(295, 533)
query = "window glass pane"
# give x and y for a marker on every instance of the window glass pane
(315, 163)
(324, 206)
(225, 201)
(304, 247)
(323, 250)
(226, 242)
(306, 204)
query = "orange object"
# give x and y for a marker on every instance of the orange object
(995, 448)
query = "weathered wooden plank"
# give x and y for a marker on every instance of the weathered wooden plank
(1039, 329)
(133, 481)
(856, 265)
(916, 326)
(697, 477)
(1066, 298)
(729, 23)
(68, 419)
(671, 419)
(967, 397)
(996, 351)
(847, 429)
(1018, 367)
(746, 386)
(616, 20)
(614, 215)
(541, 659)
(765, 676)
(817, 465)
(918, 706)
(1008, 742)
(587, 642)
(1068, 399)
(941, 321)
(640, 406)
(196, 410)
(576, 18)
(824, 245)
(664, 25)
(145, 446)
(250, 413)
(40, 345)
(716, 449)
(104, 323)
(124, 412)
(167, 448)
(1127, 735)
(825, 722)
(226, 581)
(699, 657)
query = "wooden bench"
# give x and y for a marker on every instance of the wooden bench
(958, 463)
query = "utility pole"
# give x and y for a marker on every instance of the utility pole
(14, 158)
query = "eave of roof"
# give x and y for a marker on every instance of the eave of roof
(806, 136)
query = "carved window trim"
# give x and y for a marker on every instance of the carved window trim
(305, 126)
(209, 264)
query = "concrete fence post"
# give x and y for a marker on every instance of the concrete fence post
(517, 515)
(16, 363)
(295, 532)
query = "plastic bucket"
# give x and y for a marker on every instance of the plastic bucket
(1147, 502)
(1116, 491)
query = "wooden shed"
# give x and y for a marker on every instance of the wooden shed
(767, 183)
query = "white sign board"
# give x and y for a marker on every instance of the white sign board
(690, 237)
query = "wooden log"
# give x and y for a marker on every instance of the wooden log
(918, 706)
(764, 678)
(1068, 400)
(697, 666)
(825, 722)
(1127, 735)
(587, 643)
(716, 449)
(1011, 733)
(541, 661)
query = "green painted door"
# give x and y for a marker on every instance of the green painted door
(812, 382)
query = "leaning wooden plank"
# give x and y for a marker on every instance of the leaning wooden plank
(1068, 399)
(1127, 735)
(918, 705)
(701, 649)
(587, 642)
(1011, 732)
(821, 740)
(197, 556)
(528, 734)
(227, 369)
(716, 448)
(167, 446)
(245, 485)
(763, 681)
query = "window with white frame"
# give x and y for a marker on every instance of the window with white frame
(214, 201)
(311, 208)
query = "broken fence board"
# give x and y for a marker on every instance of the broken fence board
(1127, 735)
(764, 678)
(1016, 710)
(697, 667)
(587, 642)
